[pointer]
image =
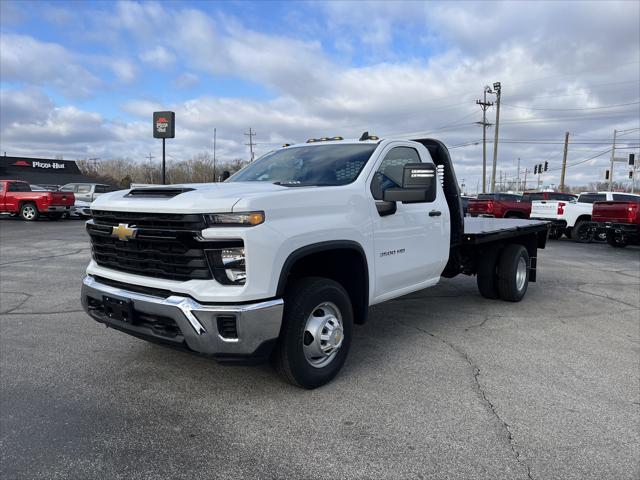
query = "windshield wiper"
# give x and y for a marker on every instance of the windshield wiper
(300, 184)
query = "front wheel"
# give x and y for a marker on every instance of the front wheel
(316, 332)
(29, 212)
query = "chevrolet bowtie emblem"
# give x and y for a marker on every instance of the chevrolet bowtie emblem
(123, 232)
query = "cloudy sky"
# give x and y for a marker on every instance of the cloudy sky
(81, 79)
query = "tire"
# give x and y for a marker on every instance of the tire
(512, 215)
(580, 232)
(487, 277)
(616, 241)
(29, 212)
(55, 216)
(513, 273)
(311, 305)
(567, 232)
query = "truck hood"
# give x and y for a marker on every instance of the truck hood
(197, 197)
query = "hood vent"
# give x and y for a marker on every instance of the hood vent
(157, 192)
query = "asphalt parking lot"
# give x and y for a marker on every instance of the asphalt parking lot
(439, 384)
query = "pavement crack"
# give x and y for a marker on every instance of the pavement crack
(479, 325)
(28, 296)
(45, 258)
(607, 297)
(480, 390)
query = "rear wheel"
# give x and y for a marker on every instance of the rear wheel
(513, 273)
(617, 241)
(29, 212)
(316, 332)
(580, 232)
(487, 278)
(512, 215)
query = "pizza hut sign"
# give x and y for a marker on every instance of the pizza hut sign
(37, 164)
(164, 124)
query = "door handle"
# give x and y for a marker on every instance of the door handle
(435, 213)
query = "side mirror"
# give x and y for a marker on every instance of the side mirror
(419, 184)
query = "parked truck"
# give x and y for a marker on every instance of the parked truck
(500, 205)
(17, 198)
(573, 218)
(618, 220)
(281, 260)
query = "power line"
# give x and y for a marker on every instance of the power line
(571, 109)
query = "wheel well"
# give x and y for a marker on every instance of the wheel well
(345, 265)
(22, 202)
(513, 214)
(583, 217)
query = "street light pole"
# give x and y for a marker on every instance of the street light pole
(497, 88)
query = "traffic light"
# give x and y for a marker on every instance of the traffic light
(606, 174)
(630, 174)
(632, 159)
(546, 166)
(535, 169)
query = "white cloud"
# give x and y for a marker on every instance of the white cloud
(25, 59)
(186, 81)
(159, 57)
(124, 70)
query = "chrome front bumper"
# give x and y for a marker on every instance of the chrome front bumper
(257, 324)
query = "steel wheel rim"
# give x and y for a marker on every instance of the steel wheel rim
(28, 212)
(521, 273)
(323, 335)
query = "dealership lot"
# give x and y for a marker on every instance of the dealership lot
(439, 384)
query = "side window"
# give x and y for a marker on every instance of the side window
(18, 187)
(68, 188)
(621, 197)
(533, 196)
(101, 189)
(84, 189)
(592, 197)
(389, 173)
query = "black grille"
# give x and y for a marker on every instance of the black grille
(164, 245)
(227, 326)
(172, 221)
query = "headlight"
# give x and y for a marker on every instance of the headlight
(244, 219)
(229, 266)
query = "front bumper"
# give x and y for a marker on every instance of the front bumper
(183, 322)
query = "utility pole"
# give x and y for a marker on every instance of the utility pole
(518, 178)
(251, 134)
(484, 105)
(613, 154)
(150, 157)
(215, 177)
(497, 88)
(564, 161)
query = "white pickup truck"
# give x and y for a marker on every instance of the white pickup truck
(282, 259)
(573, 218)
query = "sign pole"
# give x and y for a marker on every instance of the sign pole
(164, 180)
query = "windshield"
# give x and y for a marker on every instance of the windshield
(318, 165)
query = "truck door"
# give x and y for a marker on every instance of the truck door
(411, 245)
(3, 195)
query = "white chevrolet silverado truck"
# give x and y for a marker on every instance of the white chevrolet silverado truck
(281, 260)
(573, 218)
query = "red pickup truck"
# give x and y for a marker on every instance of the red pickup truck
(619, 220)
(17, 198)
(499, 205)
